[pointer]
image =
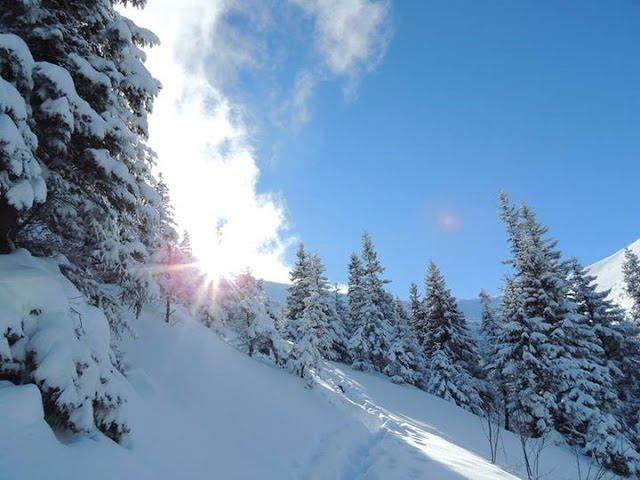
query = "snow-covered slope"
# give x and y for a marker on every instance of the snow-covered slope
(276, 293)
(609, 275)
(199, 409)
(202, 410)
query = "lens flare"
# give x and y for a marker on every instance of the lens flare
(448, 222)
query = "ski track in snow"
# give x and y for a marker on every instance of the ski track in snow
(363, 458)
(392, 437)
(319, 454)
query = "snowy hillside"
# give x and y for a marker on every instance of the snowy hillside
(276, 292)
(198, 409)
(609, 274)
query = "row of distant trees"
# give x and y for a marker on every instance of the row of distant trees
(555, 357)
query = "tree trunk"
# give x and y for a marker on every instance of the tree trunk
(8, 224)
(507, 425)
(167, 313)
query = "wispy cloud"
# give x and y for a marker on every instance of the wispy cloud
(303, 87)
(351, 36)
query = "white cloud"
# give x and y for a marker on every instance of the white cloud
(201, 139)
(199, 126)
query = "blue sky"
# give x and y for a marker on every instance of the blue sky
(317, 120)
(540, 99)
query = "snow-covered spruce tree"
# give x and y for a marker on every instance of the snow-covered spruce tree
(417, 320)
(488, 323)
(372, 334)
(592, 413)
(305, 354)
(414, 300)
(631, 271)
(207, 305)
(493, 365)
(619, 337)
(244, 316)
(191, 278)
(354, 294)
(88, 103)
(583, 388)
(297, 292)
(488, 331)
(177, 274)
(578, 373)
(549, 352)
(21, 180)
(524, 352)
(340, 306)
(452, 360)
(166, 256)
(78, 68)
(405, 359)
(332, 335)
(186, 248)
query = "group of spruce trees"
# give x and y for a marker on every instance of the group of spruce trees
(555, 358)
(429, 346)
(558, 355)
(372, 332)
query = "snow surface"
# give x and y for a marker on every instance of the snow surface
(89, 122)
(609, 275)
(15, 47)
(200, 409)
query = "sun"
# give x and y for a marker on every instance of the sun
(215, 264)
(224, 249)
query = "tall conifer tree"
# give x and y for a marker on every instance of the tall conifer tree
(405, 359)
(452, 360)
(74, 99)
(89, 95)
(631, 272)
(332, 335)
(354, 294)
(372, 334)
(298, 291)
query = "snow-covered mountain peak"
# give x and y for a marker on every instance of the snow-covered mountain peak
(608, 272)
